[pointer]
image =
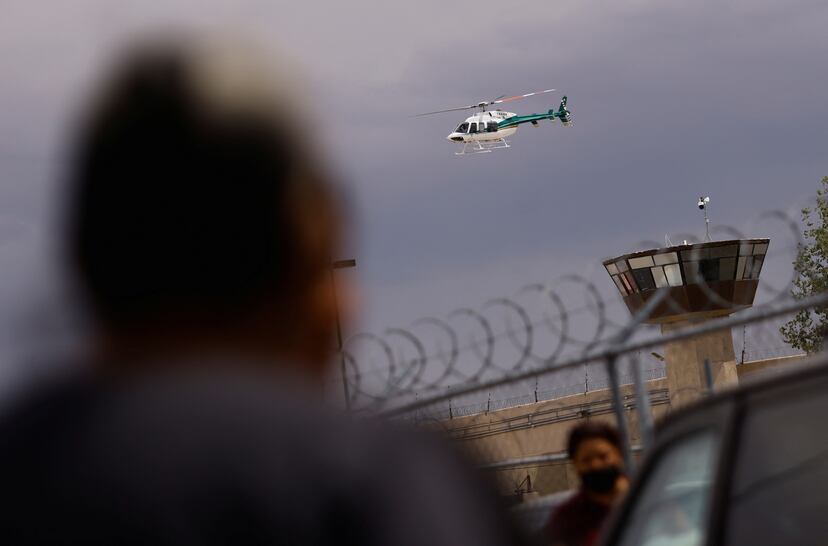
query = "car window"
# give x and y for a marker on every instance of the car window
(671, 509)
(781, 474)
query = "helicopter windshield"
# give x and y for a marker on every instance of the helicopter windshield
(463, 128)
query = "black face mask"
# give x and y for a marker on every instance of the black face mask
(601, 481)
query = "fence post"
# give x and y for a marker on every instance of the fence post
(618, 408)
(642, 405)
(618, 341)
(744, 342)
(708, 376)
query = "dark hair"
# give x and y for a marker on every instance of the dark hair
(589, 430)
(180, 204)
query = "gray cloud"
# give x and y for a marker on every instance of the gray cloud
(670, 100)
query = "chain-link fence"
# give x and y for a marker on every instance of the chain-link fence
(509, 379)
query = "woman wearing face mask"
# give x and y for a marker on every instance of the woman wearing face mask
(595, 451)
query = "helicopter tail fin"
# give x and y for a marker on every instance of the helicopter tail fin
(563, 114)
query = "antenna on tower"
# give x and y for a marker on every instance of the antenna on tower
(703, 203)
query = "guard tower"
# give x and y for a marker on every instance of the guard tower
(706, 280)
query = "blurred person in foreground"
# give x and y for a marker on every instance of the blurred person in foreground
(595, 451)
(201, 230)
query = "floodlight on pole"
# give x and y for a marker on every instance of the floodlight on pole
(703, 204)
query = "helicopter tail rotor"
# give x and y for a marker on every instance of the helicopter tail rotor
(563, 114)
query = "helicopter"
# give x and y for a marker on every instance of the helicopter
(487, 130)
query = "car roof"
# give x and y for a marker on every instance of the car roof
(721, 403)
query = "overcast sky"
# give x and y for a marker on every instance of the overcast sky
(670, 100)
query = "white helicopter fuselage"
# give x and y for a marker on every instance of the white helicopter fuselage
(482, 127)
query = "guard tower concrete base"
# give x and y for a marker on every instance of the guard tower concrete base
(686, 375)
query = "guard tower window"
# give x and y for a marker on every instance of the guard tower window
(644, 278)
(709, 270)
(463, 128)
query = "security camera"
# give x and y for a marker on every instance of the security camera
(701, 204)
(703, 201)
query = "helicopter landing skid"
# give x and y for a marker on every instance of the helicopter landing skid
(483, 147)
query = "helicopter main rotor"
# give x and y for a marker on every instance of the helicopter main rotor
(483, 104)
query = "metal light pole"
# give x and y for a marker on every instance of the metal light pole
(702, 204)
(341, 264)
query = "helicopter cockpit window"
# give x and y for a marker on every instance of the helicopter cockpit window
(463, 128)
(492, 127)
(473, 128)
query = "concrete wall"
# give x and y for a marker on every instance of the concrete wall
(542, 429)
(761, 368)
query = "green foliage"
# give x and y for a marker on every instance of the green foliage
(808, 328)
